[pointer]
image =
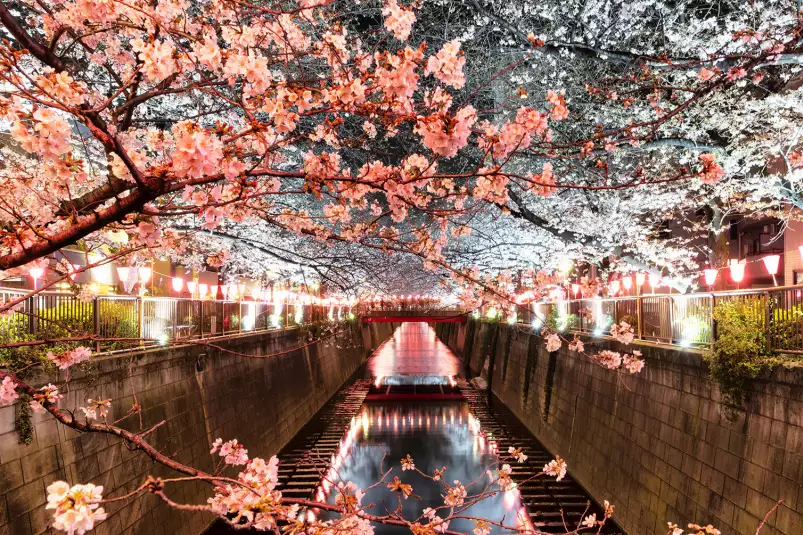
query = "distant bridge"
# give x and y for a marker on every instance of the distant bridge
(405, 316)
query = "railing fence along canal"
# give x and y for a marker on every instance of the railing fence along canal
(685, 320)
(152, 320)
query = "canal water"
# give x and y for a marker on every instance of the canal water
(408, 403)
(437, 435)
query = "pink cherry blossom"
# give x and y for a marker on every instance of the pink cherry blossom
(398, 21)
(447, 65)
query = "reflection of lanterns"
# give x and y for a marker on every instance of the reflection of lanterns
(710, 276)
(737, 272)
(178, 284)
(627, 282)
(191, 285)
(202, 289)
(145, 274)
(614, 286)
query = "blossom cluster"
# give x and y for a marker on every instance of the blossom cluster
(8, 391)
(77, 508)
(233, 453)
(70, 358)
(614, 360)
(623, 332)
(556, 467)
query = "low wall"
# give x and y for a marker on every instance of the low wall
(201, 393)
(659, 445)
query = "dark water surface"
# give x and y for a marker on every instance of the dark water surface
(434, 434)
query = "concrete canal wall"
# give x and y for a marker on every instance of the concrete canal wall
(659, 445)
(201, 393)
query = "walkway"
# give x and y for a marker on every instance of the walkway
(413, 352)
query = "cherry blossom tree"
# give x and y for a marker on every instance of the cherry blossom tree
(324, 135)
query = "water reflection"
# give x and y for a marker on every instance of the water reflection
(415, 354)
(436, 435)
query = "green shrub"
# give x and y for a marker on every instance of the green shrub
(739, 352)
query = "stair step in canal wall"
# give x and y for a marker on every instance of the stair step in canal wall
(553, 506)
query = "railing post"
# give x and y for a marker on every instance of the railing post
(639, 318)
(141, 319)
(96, 321)
(671, 320)
(767, 321)
(201, 317)
(712, 323)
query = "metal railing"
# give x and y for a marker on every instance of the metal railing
(685, 320)
(118, 322)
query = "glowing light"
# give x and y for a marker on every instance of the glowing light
(772, 262)
(710, 276)
(640, 279)
(800, 248)
(191, 286)
(213, 291)
(655, 280)
(565, 265)
(178, 284)
(73, 272)
(737, 272)
(614, 287)
(627, 282)
(123, 273)
(241, 290)
(537, 324)
(575, 289)
(491, 314)
(36, 273)
(162, 339)
(145, 274)
(202, 289)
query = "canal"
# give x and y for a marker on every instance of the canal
(411, 400)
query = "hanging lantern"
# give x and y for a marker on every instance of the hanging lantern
(627, 282)
(772, 262)
(191, 286)
(241, 290)
(202, 289)
(737, 272)
(800, 248)
(640, 277)
(614, 286)
(178, 284)
(145, 274)
(710, 276)
(213, 291)
(575, 289)
(123, 273)
(655, 280)
(36, 273)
